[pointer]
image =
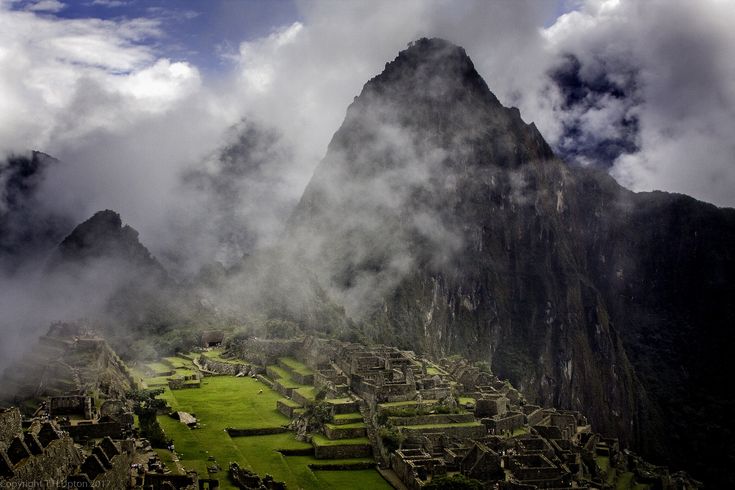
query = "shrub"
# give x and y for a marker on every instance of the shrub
(392, 439)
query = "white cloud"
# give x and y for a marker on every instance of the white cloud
(109, 3)
(127, 120)
(98, 71)
(52, 6)
(679, 56)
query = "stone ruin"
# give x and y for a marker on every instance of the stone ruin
(455, 417)
(47, 457)
(212, 338)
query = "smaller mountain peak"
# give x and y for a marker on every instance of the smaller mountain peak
(103, 219)
(103, 235)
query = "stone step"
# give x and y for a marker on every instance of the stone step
(346, 431)
(347, 418)
(344, 405)
(341, 449)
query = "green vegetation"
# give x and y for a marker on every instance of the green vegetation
(368, 479)
(433, 369)
(218, 355)
(348, 416)
(521, 431)
(404, 404)
(320, 440)
(289, 403)
(356, 425)
(296, 366)
(308, 392)
(483, 366)
(246, 403)
(454, 482)
(392, 439)
(179, 362)
(625, 481)
(230, 402)
(146, 406)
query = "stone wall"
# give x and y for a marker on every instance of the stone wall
(265, 351)
(46, 464)
(299, 398)
(108, 467)
(535, 417)
(287, 392)
(343, 452)
(71, 405)
(449, 418)
(10, 426)
(95, 430)
(566, 423)
(338, 432)
(456, 431)
(221, 367)
(285, 408)
(511, 422)
(302, 379)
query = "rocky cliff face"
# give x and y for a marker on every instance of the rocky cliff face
(445, 223)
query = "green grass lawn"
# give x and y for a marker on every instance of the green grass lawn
(156, 382)
(520, 432)
(603, 462)
(218, 355)
(167, 459)
(179, 362)
(348, 416)
(432, 370)
(225, 401)
(289, 403)
(308, 392)
(356, 425)
(296, 366)
(368, 479)
(321, 440)
(464, 400)
(284, 377)
(625, 481)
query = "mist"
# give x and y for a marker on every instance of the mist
(209, 167)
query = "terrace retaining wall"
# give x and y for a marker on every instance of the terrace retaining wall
(343, 452)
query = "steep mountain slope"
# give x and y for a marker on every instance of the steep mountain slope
(446, 224)
(28, 227)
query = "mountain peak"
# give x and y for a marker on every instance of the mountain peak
(432, 69)
(104, 236)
